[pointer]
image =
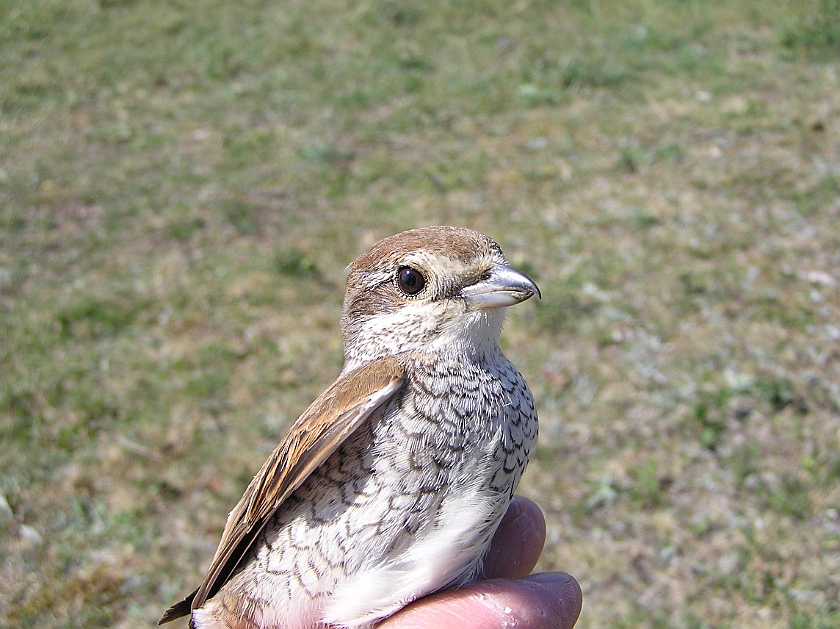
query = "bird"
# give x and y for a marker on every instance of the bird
(390, 486)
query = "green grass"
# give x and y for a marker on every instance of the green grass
(183, 183)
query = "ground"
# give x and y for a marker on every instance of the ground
(183, 183)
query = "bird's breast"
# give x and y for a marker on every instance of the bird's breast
(407, 505)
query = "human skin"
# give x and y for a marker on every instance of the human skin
(509, 596)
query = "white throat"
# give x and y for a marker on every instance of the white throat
(412, 329)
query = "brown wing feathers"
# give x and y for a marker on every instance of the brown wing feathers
(325, 425)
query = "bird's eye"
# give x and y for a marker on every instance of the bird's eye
(410, 281)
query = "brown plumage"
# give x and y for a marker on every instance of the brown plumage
(390, 486)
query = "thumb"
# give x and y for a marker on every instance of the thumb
(541, 601)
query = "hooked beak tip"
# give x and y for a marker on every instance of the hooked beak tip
(505, 286)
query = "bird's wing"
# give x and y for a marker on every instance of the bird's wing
(331, 418)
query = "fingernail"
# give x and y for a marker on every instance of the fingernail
(556, 578)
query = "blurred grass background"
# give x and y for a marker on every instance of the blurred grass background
(182, 184)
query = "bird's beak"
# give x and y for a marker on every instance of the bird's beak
(505, 286)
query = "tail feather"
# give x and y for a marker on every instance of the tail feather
(182, 608)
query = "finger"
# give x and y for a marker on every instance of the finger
(518, 542)
(543, 601)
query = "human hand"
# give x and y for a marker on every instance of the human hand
(509, 597)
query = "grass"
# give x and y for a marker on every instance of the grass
(182, 184)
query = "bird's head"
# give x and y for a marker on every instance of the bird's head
(433, 289)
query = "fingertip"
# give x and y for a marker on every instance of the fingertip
(563, 594)
(518, 542)
(521, 507)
